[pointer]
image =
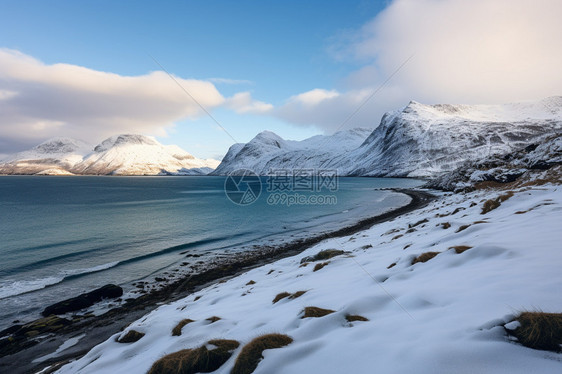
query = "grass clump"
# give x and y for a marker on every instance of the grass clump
(199, 360)
(445, 225)
(319, 266)
(323, 255)
(391, 265)
(460, 248)
(283, 295)
(424, 257)
(315, 312)
(354, 318)
(131, 337)
(213, 319)
(539, 330)
(490, 205)
(250, 283)
(252, 353)
(176, 331)
(463, 227)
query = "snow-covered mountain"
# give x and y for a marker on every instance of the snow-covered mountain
(269, 151)
(140, 155)
(118, 155)
(428, 140)
(416, 141)
(54, 156)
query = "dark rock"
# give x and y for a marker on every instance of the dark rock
(85, 300)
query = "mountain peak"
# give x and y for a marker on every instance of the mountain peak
(125, 139)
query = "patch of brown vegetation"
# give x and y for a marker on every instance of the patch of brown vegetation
(463, 227)
(297, 295)
(197, 298)
(315, 312)
(280, 296)
(213, 319)
(391, 265)
(176, 331)
(283, 295)
(323, 255)
(199, 360)
(397, 236)
(425, 220)
(319, 266)
(252, 353)
(367, 246)
(490, 205)
(353, 318)
(478, 222)
(539, 330)
(424, 257)
(445, 225)
(131, 337)
(271, 271)
(407, 246)
(460, 248)
(250, 283)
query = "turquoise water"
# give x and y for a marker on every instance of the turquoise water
(61, 236)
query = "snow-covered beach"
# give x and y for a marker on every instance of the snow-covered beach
(440, 316)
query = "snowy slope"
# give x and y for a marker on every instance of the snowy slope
(417, 141)
(139, 155)
(269, 151)
(54, 156)
(118, 155)
(446, 315)
(427, 140)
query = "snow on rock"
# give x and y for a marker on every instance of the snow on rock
(269, 151)
(428, 140)
(445, 315)
(536, 161)
(417, 141)
(54, 156)
(125, 154)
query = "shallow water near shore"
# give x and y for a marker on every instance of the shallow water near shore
(65, 235)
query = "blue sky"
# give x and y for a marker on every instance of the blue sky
(276, 48)
(298, 68)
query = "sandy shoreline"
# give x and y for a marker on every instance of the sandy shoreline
(98, 329)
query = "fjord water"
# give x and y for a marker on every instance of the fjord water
(61, 236)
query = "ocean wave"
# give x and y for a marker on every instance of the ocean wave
(13, 288)
(19, 287)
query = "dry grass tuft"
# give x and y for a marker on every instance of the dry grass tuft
(397, 236)
(463, 227)
(315, 312)
(250, 283)
(445, 225)
(176, 331)
(505, 196)
(424, 257)
(131, 337)
(281, 296)
(391, 265)
(213, 319)
(199, 360)
(353, 318)
(323, 255)
(539, 330)
(367, 246)
(320, 265)
(297, 295)
(490, 205)
(250, 356)
(460, 248)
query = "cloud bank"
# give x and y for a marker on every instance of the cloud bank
(464, 51)
(38, 101)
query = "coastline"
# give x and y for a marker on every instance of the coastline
(99, 328)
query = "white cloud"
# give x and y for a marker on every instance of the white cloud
(465, 51)
(38, 101)
(242, 102)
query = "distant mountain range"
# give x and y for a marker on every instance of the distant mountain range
(118, 155)
(416, 141)
(422, 141)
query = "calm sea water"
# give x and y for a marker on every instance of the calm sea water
(61, 236)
